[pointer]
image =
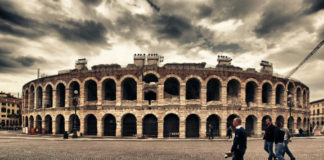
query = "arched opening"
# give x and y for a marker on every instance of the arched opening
(264, 123)
(39, 122)
(149, 96)
(148, 78)
(109, 90)
(74, 120)
(39, 97)
(230, 119)
(90, 125)
(280, 119)
(213, 122)
(48, 96)
(60, 128)
(192, 126)
(129, 125)
(290, 124)
(32, 94)
(233, 89)
(266, 93)
(150, 126)
(26, 121)
(26, 99)
(193, 89)
(109, 125)
(299, 121)
(171, 126)
(250, 92)
(60, 95)
(279, 94)
(91, 90)
(73, 86)
(304, 124)
(171, 88)
(250, 125)
(213, 90)
(31, 119)
(48, 124)
(291, 91)
(129, 89)
(304, 98)
(299, 102)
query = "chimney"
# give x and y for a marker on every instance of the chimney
(139, 59)
(81, 64)
(224, 60)
(266, 67)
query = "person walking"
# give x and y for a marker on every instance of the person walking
(279, 134)
(229, 132)
(210, 131)
(286, 141)
(269, 139)
(239, 142)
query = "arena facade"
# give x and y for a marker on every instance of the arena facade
(146, 99)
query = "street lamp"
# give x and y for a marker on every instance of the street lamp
(75, 103)
(290, 105)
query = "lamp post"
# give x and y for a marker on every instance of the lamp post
(75, 103)
(290, 105)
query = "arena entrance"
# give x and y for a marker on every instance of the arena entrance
(26, 121)
(150, 126)
(109, 125)
(129, 125)
(171, 126)
(48, 124)
(250, 125)
(60, 124)
(39, 122)
(213, 122)
(192, 126)
(74, 118)
(91, 125)
(31, 119)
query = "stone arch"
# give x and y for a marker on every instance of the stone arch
(32, 95)
(109, 89)
(304, 98)
(150, 77)
(152, 72)
(299, 97)
(74, 121)
(109, 124)
(90, 125)
(39, 97)
(264, 124)
(31, 119)
(39, 123)
(214, 86)
(60, 126)
(171, 76)
(233, 91)
(91, 89)
(213, 125)
(193, 87)
(60, 95)
(171, 125)
(73, 86)
(230, 118)
(251, 125)
(291, 90)
(48, 124)
(150, 126)
(299, 123)
(49, 96)
(171, 87)
(26, 97)
(126, 77)
(129, 89)
(280, 118)
(129, 125)
(251, 92)
(280, 91)
(266, 92)
(26, 121)
(192, 125)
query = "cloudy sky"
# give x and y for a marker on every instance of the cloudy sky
(52, 34)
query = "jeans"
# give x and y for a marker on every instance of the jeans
(287, 150)
(280, 150)
(268, 147)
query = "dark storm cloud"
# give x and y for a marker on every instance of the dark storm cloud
(153, 5)
(204, 11)
(82, 31)
(92, 2)
(7, 14)
(315, 6)
(223, 47)
(172, 26)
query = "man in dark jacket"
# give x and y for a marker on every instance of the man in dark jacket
(269, 139)
(279, 135)
(239, 142)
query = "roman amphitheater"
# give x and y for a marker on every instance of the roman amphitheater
(146, 99)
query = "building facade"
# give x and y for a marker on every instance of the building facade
(174, 100)
(10, 111)
(317, 114)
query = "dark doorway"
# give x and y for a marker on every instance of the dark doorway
(233, 89)
(193, 89)
(91, 90)
(250, 92)
(279, 94)
(129, 125)
(150, 78)
(48, 124)
(129, 89)
(32, 94)
(39, 97)
(171, 126)
(213, 90)
(48, 96)
(31, 119)
(26, 121)
(74, 119)
(171, 87)
(192, 126)
(91, 125)
(150, 126)
(60, 95)
(60, 124)
(109, 125)
(250, 125)
(290, 124)
(266, 93)
(213, 121)
(150, 95)
(109, 90)
(39, 122)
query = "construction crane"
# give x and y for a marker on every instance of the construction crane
(304, 60)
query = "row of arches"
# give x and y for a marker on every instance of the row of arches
(171, 89)
(150, 124)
